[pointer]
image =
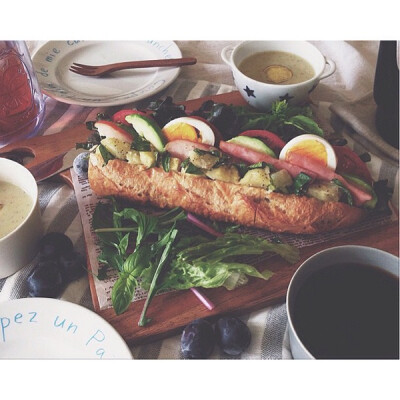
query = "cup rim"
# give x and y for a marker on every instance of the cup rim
(35, 196)
(300, 269)
(287, 86)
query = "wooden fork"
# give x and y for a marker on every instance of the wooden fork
(99, 70)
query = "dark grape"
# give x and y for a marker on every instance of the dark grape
(81, 164)
(45, 280)
(198, 340)
(232, 335)
(54, 244)
(72, 266)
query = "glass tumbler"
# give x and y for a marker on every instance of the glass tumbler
(21, 102)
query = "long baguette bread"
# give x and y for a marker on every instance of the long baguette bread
(217, 200)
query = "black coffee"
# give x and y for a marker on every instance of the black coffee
(349, 311)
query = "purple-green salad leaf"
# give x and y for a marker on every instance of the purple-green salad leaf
(283, 119)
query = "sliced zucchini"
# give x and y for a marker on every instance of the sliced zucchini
(253, 143)
(363, 186)
(147, 128)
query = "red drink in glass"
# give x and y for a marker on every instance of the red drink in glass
(21, 102)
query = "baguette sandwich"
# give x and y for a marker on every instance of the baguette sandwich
(254, 179)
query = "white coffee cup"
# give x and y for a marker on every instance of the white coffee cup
(20, 246)
(261, 95)
(324, 259)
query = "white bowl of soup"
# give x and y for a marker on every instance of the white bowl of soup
(20, 220)
(269, 71)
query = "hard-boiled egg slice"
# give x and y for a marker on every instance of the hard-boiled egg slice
(189, 128)
(310, 146)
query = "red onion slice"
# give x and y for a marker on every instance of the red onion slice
(208, 303)
(200, 224)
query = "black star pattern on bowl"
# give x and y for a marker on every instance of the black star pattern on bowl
(250, 93)
(285, 97)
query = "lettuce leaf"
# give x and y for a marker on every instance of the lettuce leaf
(211, 264)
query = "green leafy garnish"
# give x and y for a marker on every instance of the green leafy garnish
(189, 168)
(93, 140)
(300, 183)
(139, 143)
(243, 167)
(165, 244)
(282, 115)
(345, 191)
(283, 119)
(200, 152)
(165, 161)
(305, 124)
(261, 164)
(107, 156)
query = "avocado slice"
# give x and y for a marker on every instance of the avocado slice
(253, 143)
(147, 128)
(363, 186)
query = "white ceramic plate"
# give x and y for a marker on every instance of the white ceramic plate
(53, 59)
(41, 328)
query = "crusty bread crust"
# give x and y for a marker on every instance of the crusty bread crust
(217, 200)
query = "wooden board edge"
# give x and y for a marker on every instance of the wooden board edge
(138, 336)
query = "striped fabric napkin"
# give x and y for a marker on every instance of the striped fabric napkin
(60, 213)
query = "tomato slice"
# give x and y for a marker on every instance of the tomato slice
(350, 163)
(271, 139)
(120, 115)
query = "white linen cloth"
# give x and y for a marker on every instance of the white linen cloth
(352, 81)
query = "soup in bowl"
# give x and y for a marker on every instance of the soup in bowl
(267, 71)
(20, 219)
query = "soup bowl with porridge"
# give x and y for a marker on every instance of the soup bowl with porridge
(266, 71)
(20, 219)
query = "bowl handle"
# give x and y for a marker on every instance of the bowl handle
(226, 54)
(331, 69)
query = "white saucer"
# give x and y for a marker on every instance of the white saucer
(53, 59)
(41, 328)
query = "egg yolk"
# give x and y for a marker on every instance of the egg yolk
(181, 131)
(310, 149)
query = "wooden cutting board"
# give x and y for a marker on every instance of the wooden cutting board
(40, 149)
(171, 312)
